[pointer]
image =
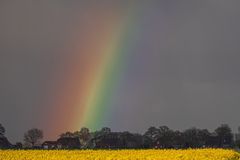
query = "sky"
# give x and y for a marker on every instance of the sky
(124, 64)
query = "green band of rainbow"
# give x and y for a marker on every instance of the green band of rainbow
(99, 103)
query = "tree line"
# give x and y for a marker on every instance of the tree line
(154, 137)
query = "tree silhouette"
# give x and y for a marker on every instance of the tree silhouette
(105, 130)
(178, 139)
(84, 136)
(2, 130)
(32, 137)
(152, 133)
(191, 137)
(225, 135)
(161, 137)
(68, 134)
(165, 137)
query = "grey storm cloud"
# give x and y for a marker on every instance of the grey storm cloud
(188, 75)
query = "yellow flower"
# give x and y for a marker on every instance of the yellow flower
(151, 154)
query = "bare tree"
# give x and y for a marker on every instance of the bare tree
(33, 136)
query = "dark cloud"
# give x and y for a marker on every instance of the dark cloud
(183, 69)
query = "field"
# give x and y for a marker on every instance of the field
(190, 154)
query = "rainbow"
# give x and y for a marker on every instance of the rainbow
(82, 93)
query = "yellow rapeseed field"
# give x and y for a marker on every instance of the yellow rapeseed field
(189, 154)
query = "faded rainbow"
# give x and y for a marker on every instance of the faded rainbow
(92, 73)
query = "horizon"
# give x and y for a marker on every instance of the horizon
(236, 131)
(127, 65)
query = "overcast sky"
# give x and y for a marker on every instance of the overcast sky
(187, 75)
